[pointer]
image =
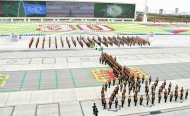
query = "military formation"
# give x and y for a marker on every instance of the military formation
(128, 87)
(89, 42)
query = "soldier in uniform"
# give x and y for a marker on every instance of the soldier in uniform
(170, 85)
(122, 102)
(143, 79)
(186, 94)
(141, 100)
(150, 80)
(148, 99)
(146, 82)
(153, 98)
(169, 89)
(159, 97)
(135, 100)
(114, 81)
(176, 96)
(130, 88)
(171, 96)
(165, 95)
(125, 83)
(116, 102)
(164, 83)
(129, 101)
(181, 95)
(121, 87)
(106, 85)
(109, 83)
(110, 103)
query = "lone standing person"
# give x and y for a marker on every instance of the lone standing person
(96, 112)
(94, 108)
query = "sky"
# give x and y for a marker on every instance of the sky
(169, 5)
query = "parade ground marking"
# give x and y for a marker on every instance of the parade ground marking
(105, 74)
(137, 72)
(3, 79)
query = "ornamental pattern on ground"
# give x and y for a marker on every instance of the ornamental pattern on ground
(69, 27)
(103, 74)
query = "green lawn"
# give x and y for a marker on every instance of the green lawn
(118, 29)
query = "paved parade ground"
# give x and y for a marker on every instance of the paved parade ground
(82, 77)
(58, 82)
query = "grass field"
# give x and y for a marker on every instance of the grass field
(117, 28)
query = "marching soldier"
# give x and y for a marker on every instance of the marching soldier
(136, 99)
(147, 91)
(106, 85)
(109, 83)
(153, 98)
(186, 94)
(143, 79)
(121, 87)
(150, 80)
(141, 100)
(157, 80)
(146, 82)
(169, 89)
(104, 103)
(122, 102)
(170, 85)
(176, 87)
(176, 96)
(171, 96)
(148, 99)
(159, 97)
(181, 95)
(129, 101)
(114, 81)
(164, 83)
(130, 88)
(116, 102)
(110, 103)
(125, 83)
(165, 95)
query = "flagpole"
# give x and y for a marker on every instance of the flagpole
(145, 13)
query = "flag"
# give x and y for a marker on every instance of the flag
(34, 9)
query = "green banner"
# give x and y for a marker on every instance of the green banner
(109, 10)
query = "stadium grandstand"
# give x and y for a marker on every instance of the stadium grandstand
(94, 58)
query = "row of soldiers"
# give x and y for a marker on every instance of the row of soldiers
(114, 98)
(118, 41)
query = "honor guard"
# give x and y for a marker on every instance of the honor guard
(171, 96)
(159, 97)
(129, 101)
(116, 102)
(141, 100)
(150, 79)
(148, 99)
(186, 94)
